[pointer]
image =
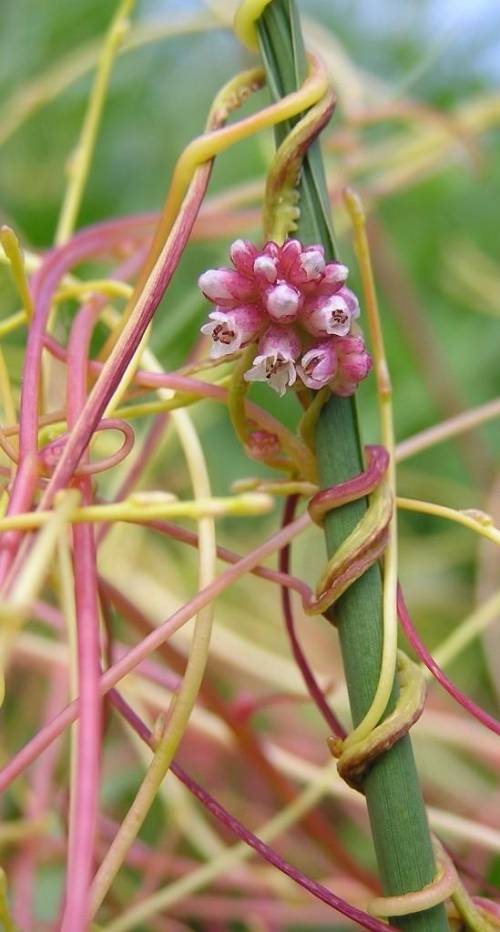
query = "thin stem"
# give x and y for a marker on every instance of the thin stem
(143, 507)
(445, 430)
(384, 397)
(473, 520)
(312, 685)
(434, 669)
(79, 164)
(86, 751)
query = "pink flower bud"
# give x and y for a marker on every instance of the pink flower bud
(319, 365)
(327, 316)
(282, 303)
(275, 362)
(312, 262)
(243, 254)
(354, 364)
(226, 288)
(232, 329)
(301, 265)
(351, 301)
(265, 268)
(289, 254)
(333, 279)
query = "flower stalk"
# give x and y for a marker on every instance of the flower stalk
(397, 814)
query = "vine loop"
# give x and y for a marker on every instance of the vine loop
(366, 543)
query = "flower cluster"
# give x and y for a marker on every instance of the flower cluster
(296, 307)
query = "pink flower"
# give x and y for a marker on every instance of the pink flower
(327, 316)
(341, 362)
(275, 362)
(232, 329)
(276, 287)
(319, 365)
(354, 364)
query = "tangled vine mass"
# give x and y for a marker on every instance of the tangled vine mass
(93, 603)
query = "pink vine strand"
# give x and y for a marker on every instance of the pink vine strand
(51, 453)
(118, 361)
(85, 788)
(419, 647)
(234, 825)
(308, 676)
(90, 242)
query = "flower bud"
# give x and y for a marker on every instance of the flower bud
(333, 279)
(354, 364)
(226, 288)
(265, 268)
(282, 303)
(243, 254)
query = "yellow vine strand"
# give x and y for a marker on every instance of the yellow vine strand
(245, 20)
(15, 608)
(79, 163)
(181, 809)
(146, 506)
(215, 141)
(384, 394)
(470, 628)
(110, 287)
(206, 147)
(8, 924)
(474, 520)
(13, 322)
(15, 256)
(6, 394)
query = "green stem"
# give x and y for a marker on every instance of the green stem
(397, 814)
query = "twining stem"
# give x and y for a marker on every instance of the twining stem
(395, 806)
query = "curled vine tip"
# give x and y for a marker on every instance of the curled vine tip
(354, 761)
(298, 310)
